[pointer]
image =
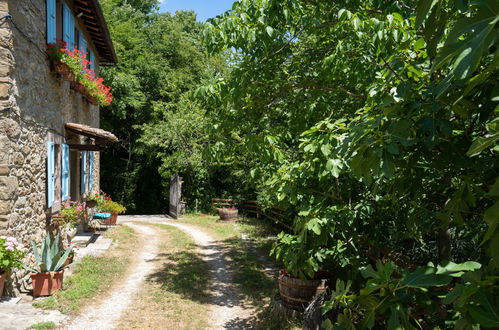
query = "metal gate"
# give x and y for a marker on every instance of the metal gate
(175, 196)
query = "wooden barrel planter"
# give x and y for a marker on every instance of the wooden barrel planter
(297, 294)
(228, 214)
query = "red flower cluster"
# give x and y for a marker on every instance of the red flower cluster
(78, 63)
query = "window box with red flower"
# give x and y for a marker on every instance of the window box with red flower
(72, 65)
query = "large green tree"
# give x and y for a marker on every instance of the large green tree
(162, 131)
(376, 123)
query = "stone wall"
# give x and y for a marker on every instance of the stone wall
(34, 104)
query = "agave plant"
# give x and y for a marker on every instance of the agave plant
(52, 258)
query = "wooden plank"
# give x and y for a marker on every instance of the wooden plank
(86, 147)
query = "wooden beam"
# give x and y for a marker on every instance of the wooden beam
(86, 147)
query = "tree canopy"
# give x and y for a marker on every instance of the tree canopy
(161, 63)
(372, 124)
(375, 124)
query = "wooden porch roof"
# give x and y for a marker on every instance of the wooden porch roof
(90, 13)
(101, 136)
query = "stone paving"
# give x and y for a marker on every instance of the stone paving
(18, 313)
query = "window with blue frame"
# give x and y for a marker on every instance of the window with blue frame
(55, 171)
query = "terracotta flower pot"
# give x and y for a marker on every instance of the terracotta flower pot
(69, 260)
(45, 284)
(63, 70)
(90, 204)
(114, 217)
(78, 87)
(296, 293)
(2, 282)
(227, 214)
(111, 220)
(92, 100)
(57, 220)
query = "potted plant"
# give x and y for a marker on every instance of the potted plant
(73, 66)
(10, 257)
(71, 213)
(97, 199)
(303, 277)
(71, 254)
(49, 275)
(60, 60)
(114, 208)
(228, 214)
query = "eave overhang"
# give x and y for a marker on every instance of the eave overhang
(90, 13)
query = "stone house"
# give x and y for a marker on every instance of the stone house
(50, 139)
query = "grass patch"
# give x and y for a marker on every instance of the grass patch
(94, 275)
(176, 294)
(43, 325)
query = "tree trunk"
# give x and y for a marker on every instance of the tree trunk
(444, 245)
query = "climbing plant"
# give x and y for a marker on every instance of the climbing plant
(376, 123)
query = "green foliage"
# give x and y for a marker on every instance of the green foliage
(112, 206)
(50, 257)
(392, 298)
(94, 276)
(72, 212)
(43, 325)
(11, 255)
(161, 127)
(375, 125)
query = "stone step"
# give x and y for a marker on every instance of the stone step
(95, 248)
(82, 239)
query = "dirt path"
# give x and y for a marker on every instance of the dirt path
(228, 310)
(108, 312)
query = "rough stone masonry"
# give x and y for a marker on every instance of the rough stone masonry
(34, 105)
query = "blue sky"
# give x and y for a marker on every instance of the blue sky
(204, 8)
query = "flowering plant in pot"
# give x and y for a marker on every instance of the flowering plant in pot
(70, 245)
(72, 212)
(97, 199)
(97, 92)
(73, 66)
(67, 63)
(10, 257)
(114, 208)
(48, 276)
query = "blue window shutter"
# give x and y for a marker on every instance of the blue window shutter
(68, 26)
(83, 172)
(51, 21)
(65, 172)
(83, 43)
(91, 170)
(91, 58)
(50, 173)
